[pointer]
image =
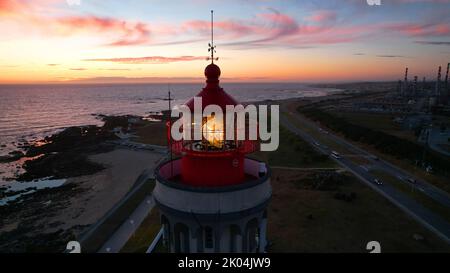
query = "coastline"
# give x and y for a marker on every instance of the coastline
(79, 175)
(103, 174)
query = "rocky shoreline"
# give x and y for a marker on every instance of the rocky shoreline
(24, 224)
(63, 154)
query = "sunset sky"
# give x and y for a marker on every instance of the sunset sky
(138, 40)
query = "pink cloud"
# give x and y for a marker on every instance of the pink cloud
(148, 59)
(129, 33)
(266, 29)
(420, 30)
(34, 17)
(323, 16)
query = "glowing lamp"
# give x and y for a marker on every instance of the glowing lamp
(213, 132)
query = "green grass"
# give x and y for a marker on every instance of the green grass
(144, 235)
(160, 248)
(113, 222)
(379, 122)
(301, 219)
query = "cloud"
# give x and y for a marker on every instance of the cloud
(78, 69)
(45, 18)
(133, 79)
(276, 29)
(423, 1)
(433, 43)
(420, 30)
(116, 69)
(53, 64)
(17, 8)
(148, 59)
(125, 32)
(323, 16)
(270, 28)
(390, 56)
(11, 7)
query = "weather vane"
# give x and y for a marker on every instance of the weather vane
(211, 46)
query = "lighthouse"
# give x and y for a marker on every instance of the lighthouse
(211, 196)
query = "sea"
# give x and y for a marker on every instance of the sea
(30, 112)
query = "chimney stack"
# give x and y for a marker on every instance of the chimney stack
(446, 88)
(405, 84)
(424, 82)
(438, 85)
(446, 75)
(415, 86)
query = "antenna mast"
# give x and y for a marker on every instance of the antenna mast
(170, 133)
(211, 46)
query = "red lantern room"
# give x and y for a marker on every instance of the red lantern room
(212, 161)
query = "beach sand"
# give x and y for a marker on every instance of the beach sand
(80, 202)
(106, 188)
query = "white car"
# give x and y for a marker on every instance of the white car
(411, 180)
(335, 155)
(378, 182)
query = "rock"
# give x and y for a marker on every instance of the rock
(338, 196)
(16, 153)
(12, 156)
(348, 198)
(65, 154)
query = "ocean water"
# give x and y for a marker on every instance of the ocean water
(31, 112)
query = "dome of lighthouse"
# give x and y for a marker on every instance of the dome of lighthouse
(212, 93)
(212, 72)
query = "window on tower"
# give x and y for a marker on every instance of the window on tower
(209, 240)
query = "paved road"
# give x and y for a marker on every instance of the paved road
(140, 146)
(428, 189)
(426, 217)
(121, 236)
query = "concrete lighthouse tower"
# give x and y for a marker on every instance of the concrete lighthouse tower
(211, 197)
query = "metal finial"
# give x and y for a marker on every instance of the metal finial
(211, 46)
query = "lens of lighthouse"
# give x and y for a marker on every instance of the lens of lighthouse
(213, 132)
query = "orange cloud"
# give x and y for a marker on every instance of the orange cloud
(11, 7)
(20, 7)
(149, 59)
